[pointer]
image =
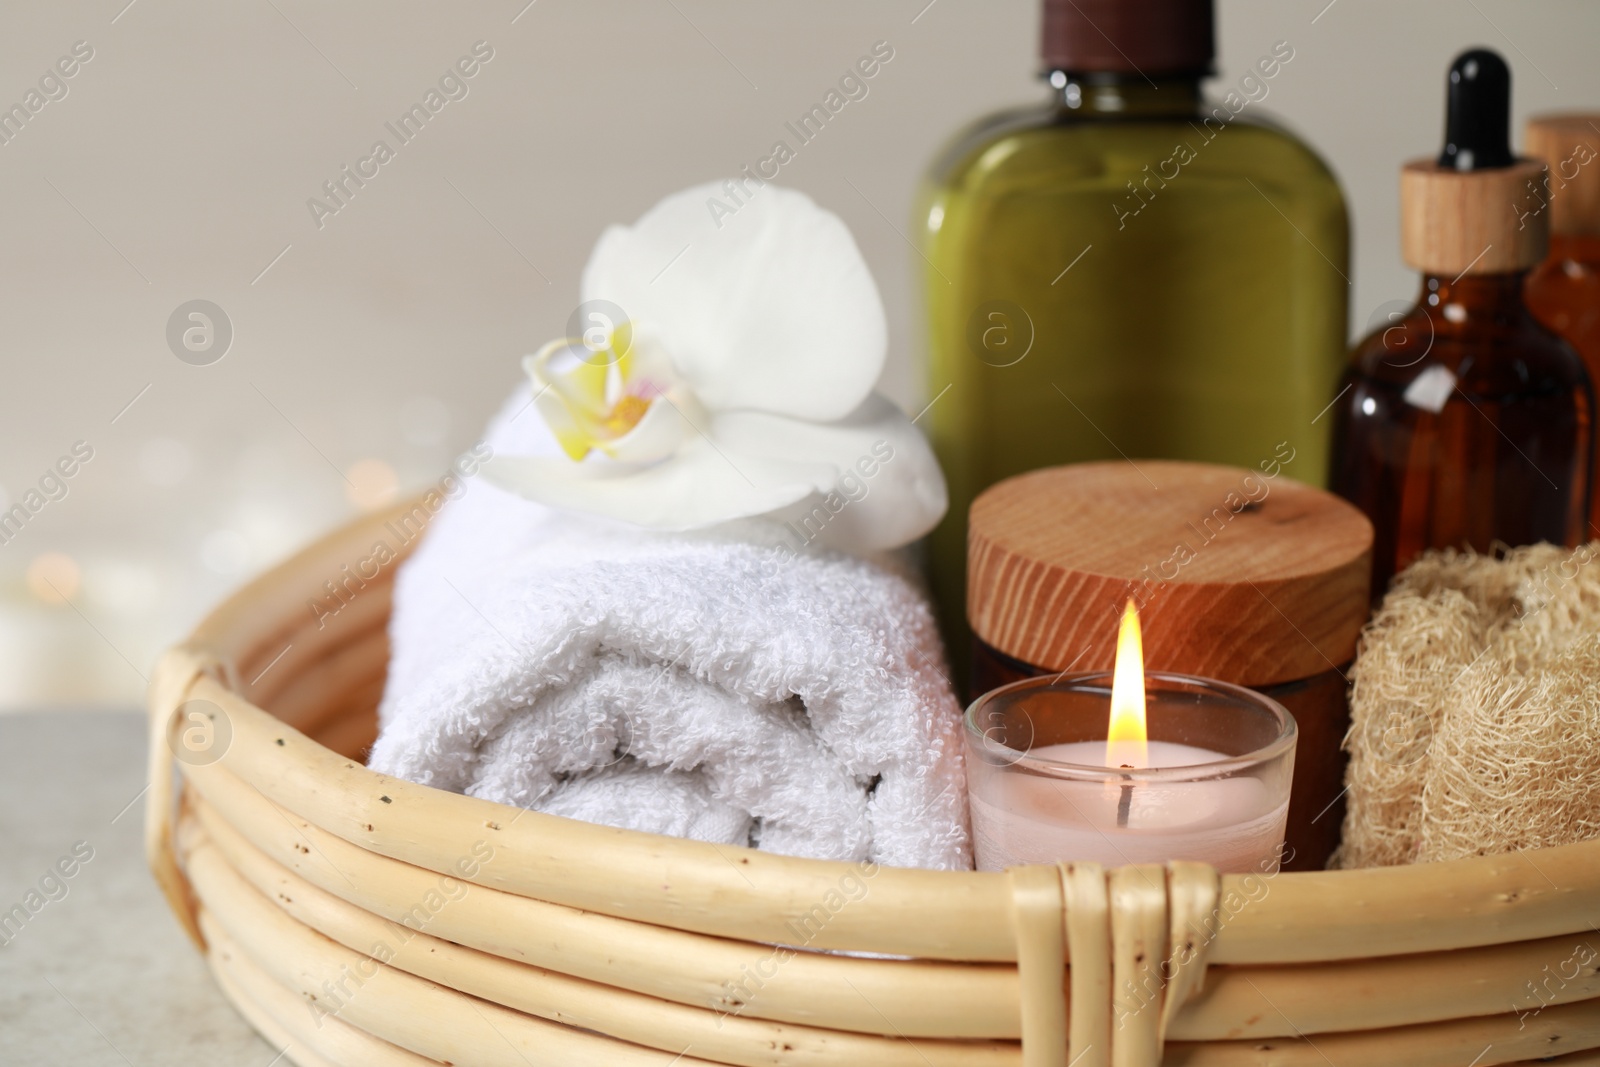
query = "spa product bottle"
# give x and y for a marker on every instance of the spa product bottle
(1465, 423)
(1127, 270)
(1563, 292)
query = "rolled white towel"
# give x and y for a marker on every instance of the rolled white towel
(718, 685)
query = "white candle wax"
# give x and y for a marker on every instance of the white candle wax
(1019, 817)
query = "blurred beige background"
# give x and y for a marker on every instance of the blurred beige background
(367, 352)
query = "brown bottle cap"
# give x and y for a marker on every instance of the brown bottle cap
(1570, 146)
(1146, 37)
(1455, 222)
(1239, 576)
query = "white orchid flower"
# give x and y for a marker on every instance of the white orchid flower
(734, 378)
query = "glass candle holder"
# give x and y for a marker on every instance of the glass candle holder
(1216, 788)
(1321, 711)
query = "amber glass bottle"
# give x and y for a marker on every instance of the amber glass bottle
(1465, 423)
(1564, 290)
(1127, 269)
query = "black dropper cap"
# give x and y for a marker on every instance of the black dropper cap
(1477, 127)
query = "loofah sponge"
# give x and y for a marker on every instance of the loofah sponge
(1475, 709)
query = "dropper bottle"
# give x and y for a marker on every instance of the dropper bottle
(1463, 422)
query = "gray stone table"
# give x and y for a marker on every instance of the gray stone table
(101, 974)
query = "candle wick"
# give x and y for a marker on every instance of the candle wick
(1125, 801)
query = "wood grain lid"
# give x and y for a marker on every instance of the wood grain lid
(1455, 222)
(1240, 575)
(1570, 146)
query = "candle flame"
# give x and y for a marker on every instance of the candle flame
(1126, 739)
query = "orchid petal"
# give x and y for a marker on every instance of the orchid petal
(765, 304)
(881, 486)
(574, 440)
(864, 484)
(698, 487)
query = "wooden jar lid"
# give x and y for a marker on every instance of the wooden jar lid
(1239, 576)
(1570, 146)
(1455, 222)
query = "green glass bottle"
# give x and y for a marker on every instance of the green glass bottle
(1127, 271)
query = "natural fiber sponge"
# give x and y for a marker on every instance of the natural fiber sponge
(1475, 709)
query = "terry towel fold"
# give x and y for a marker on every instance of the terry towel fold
(717, 685)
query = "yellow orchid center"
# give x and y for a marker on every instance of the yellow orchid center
(626, 413)
(598, 397)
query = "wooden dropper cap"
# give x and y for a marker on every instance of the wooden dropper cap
(1476, 209)
(1268, 577)
(1570, 146)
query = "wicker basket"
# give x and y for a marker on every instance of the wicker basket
(357, 919)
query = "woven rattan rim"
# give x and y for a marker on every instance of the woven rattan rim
(1400, 965)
